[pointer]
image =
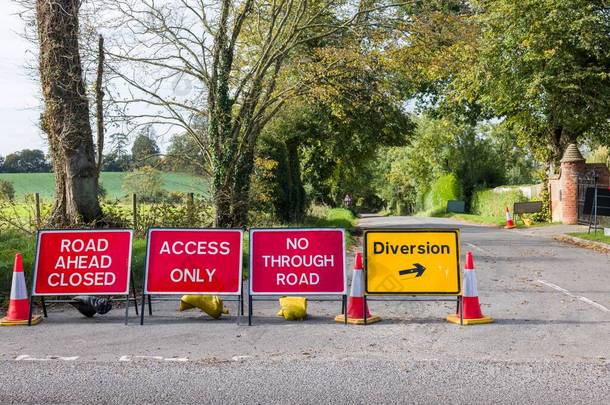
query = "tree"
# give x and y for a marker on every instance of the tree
(65, 118)
(231, 57)
(539, 65)
(146, 182)
(145, 151)
(479, 156)
(7, 191)
(543, 65)
(116, 163)
(26, 161)
(184, 155)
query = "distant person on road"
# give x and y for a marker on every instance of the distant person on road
(347, 201)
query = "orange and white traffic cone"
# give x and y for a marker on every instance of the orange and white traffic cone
(355, 302)
(19, 304)
(509, 220)
(471, 310)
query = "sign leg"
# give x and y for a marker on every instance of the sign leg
(127, 309)
(344, 309)
(44, 306)
(241, 304)
(135, 297)
(461, 305)
(31, 306)
(149, 305)
(143, 308)
(249, 309)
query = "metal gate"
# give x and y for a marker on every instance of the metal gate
(589, 179)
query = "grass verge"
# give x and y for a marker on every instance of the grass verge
(487, 220)
(324, 217)
(596, 237)
(477, 219)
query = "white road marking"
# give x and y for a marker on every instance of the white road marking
(158, 358)
(179, 359)
(27, 357)
(578, 297)
(472, 245)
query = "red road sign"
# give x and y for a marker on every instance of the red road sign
(297, 261)
(194, 261)
(74, 262)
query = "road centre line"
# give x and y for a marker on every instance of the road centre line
(568, 293)
(27, 357)
(158, 358)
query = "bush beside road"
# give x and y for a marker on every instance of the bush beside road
(13, 241)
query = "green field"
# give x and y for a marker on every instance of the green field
(43, 183)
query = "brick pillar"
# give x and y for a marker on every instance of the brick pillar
(572, 165)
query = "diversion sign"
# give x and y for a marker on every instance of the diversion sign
(412, 261)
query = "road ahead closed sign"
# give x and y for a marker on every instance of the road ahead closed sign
(79, 262)
(412, 261)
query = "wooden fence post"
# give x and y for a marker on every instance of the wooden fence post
(134, 211)
(190, 208)
(38, 219)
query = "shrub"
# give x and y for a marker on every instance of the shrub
(7, 191)
(443, 189)
(493, 204)
(323, 216)
(12, 242)
(102, 193)
(146, 182)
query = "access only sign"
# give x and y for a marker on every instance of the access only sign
(193, 261)
(76, 262)
(297, 261)
(412, 261)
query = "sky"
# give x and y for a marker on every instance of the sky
(19, 105)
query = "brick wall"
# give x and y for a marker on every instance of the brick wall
(569, 190)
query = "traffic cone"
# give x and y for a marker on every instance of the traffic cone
(19, 304)
(509, 220)
(355, 302)
(471, 312)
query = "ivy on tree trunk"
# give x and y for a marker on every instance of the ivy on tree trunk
(65, 119)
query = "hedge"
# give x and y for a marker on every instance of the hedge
(492, 204)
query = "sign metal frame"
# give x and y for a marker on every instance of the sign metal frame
(415, 296)
(43, 302)
(272, 296)
(147, 295)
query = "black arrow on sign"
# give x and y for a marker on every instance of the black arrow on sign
(418, 269)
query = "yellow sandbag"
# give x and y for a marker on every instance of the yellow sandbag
(210, 304)
(293, 308)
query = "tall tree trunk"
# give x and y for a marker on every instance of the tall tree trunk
(240, 203)
(99, 104)
(297, 192)
(66, 114)
(220, 104)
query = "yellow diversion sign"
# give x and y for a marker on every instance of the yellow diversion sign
(412, 261)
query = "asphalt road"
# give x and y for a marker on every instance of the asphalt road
(550, 342)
